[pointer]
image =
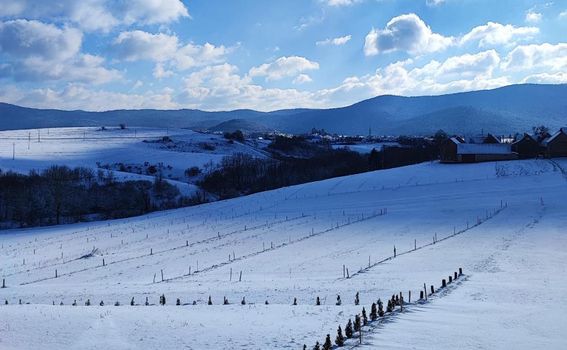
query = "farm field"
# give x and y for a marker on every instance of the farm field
(128, 153)
(502, 223)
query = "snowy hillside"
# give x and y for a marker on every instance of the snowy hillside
(503, 223)
(129, 153)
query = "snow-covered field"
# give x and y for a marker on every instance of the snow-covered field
(367, 147)
(292, 243)
(25, 150)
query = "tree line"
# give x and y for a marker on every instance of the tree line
(295, 161)
(60, 194)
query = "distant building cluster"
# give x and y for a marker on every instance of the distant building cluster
(491, 148)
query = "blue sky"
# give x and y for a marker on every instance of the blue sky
(266, 55)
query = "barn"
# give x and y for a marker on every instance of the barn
(485, 152)
(455, 151)
(448, 150)
(526, 147)
(556, 145)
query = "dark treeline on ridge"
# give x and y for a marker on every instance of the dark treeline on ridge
(63, 195)
(297, 161)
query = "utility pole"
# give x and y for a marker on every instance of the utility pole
(13, 151)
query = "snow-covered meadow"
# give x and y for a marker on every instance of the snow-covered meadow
(135, 148)
(293, 243)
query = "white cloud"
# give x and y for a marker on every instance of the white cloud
(160, 72)
(458, 73)
(546, 78)
(533, 17)
(191, 55)
(339, 3)
(22, 38)
(469, 66)
(434, 2)
(139, 45)
(154, 11)
(37, 51)
(492, 34)
(370, 43)
(11, 7)
(221, 87)
(563, 14)
(302, 79)
(335, 41)
(283, 67)
(410, 34)
(405, 33)
(547, 56)
(78, 96)
(98, 14)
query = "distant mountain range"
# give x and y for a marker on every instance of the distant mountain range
(510, 109)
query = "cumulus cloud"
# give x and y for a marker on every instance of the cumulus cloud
(37, 51)
(434, 2)
(339, 3)
(22, 38)
(139, 45)
(547, 56)
(546, 78)
(98, 14)
(302, 79)
(533, 17)
(79, 96)
(164, 48)
(405, 33)
(11, 8)
(222, 85)
(283, 67)
(492, 34)
(458, 73)
(334, 41)
(467, 66)
(191, 55)
(160, 72)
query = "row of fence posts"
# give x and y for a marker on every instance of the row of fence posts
(361, 320)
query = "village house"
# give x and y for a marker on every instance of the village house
(556, 145)
(526, 147)
(454, 150)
